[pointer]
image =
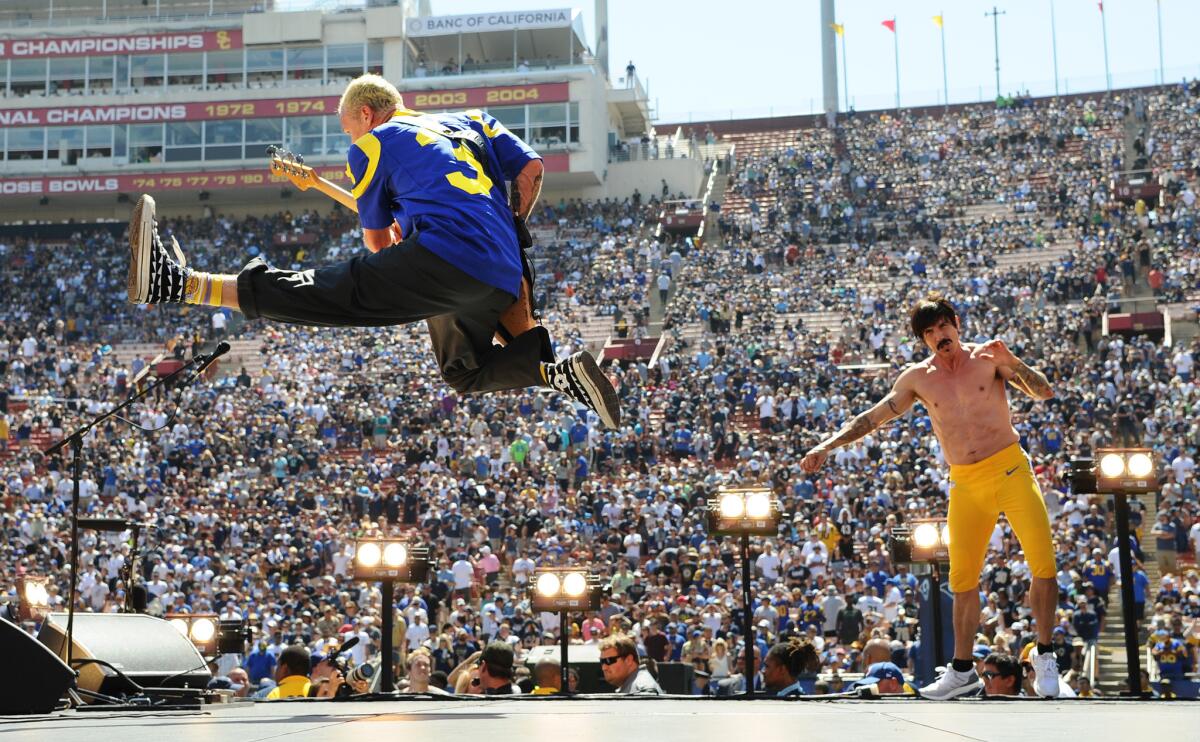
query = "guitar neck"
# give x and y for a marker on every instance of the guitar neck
(337, 193)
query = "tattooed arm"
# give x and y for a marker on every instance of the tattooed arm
(526, 188)
(1027, 379)
(895, 404)
(1013, 369)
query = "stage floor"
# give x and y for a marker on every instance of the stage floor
(612, 720)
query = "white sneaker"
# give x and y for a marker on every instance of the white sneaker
(952, 684)
(1045, 670)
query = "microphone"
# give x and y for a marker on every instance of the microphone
(221, 349)
(346, 646)
(206, 361)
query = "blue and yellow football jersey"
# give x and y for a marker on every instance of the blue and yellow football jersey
(408, 171)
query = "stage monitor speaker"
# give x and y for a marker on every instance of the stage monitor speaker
(148, 650)
(36, 678)
(583, 658)
(676, 678)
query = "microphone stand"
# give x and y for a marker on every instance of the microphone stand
(75, 441)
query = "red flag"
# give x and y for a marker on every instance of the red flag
(891, 25)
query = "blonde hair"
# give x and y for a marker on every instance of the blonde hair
(371, 91)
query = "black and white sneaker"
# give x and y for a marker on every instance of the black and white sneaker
(580, 377)
(155, 277)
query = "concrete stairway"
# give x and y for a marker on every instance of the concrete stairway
(1111, 676)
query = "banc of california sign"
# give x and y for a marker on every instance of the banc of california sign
(438, 25)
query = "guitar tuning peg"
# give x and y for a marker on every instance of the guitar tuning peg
(271, 150)
(300, 159)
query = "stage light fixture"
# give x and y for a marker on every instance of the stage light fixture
(740, 512)
(922, 541)
(1125, 471)
(390, 559)
(1122, 473)
(33, 597)
(562, 589)
(199, 628)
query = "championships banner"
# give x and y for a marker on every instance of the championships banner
(153, 113)
(187, 180)
(84, 46)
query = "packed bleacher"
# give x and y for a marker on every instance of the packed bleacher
(781, 326)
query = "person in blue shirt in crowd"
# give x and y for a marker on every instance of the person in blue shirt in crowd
(1098, 572)
(1171, 654)
(446, 241)
(260, 663)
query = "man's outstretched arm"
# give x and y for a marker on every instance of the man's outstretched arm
(895, 404)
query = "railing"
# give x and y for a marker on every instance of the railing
(671, 147)
(414, 72)
(44, 20)
(1090, 657)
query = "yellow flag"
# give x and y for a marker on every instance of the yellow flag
(838, 28)
(938, 20)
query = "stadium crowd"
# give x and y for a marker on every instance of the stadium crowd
(259, 484)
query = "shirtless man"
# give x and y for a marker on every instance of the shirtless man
(962, 389)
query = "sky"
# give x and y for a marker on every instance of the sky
(705, 59)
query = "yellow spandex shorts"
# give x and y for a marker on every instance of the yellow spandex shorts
(979, 492)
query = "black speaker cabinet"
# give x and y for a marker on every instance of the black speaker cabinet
(676, 678)
(150, 651)
(36, 678)
(583, 658)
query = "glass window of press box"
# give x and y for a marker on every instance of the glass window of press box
(544, 126)
(177, 141)
(521, 50)
(215, 70)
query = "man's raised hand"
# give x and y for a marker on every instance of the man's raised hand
(995, 351)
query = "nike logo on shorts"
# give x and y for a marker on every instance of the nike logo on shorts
(1010, 471)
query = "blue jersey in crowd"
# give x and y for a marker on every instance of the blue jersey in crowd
(408, 171)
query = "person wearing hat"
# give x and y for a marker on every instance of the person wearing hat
(1002, 675)
(887, 679)
(496, 671)
(695, 648)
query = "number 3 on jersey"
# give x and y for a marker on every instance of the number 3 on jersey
(480, 185)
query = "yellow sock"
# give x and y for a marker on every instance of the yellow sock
(203, 288)
(542, 369)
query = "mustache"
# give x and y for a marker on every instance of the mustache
(943, 341)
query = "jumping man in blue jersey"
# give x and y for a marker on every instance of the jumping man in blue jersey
(443, 240)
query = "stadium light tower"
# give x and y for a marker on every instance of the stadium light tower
(829, 67)
(995, 14)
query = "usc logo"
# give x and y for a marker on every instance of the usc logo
(223, 40)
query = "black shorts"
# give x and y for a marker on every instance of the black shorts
(400, 285)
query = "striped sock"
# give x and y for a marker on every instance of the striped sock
(203, 288)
